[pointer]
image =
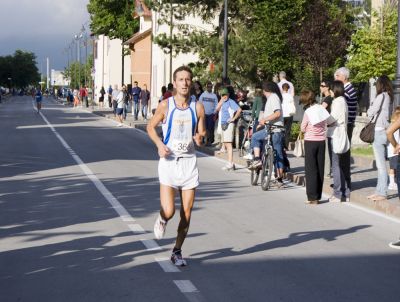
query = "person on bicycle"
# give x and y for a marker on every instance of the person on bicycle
(272, 115)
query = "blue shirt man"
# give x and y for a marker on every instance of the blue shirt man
(136, 92)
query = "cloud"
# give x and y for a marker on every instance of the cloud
(45, 27)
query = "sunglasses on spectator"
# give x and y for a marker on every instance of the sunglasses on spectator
(322, 85)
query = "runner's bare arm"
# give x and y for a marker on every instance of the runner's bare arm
(158, 118)
(201, 126)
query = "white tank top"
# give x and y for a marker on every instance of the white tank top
(179, 129)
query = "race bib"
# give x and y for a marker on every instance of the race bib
(182, 146)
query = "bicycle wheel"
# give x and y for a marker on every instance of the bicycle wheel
(267, 169)
(254, 177)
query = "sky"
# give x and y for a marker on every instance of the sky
(44, 27)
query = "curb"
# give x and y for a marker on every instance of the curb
(387, 207)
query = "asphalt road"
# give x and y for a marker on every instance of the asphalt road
(79, 196)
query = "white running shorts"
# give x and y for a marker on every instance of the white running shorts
(179, 173)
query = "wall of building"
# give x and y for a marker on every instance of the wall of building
(108, 64)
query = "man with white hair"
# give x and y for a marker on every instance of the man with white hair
(350, 93)
(283, 80)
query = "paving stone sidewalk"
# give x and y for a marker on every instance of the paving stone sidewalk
(363, 170)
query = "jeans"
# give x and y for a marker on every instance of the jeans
(135, 110)
(341, 185)
(144, 111)
(379, 146)
(125, 110)
(210, 126)
(287, 122)
(257, 141)
(314, 160)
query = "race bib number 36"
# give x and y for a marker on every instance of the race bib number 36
(182, 146)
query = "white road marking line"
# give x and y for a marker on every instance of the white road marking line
(150, 244)
(167, 265)
(122, 212)
(185, 286)
(136, 228)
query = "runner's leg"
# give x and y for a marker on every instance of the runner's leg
(187, 201)
(167, 199)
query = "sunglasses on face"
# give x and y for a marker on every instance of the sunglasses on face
(323, 86)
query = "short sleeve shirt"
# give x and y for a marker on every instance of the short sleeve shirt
(228, 108)
(272, 105)
(209, 101)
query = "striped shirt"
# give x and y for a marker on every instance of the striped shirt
(350, 94)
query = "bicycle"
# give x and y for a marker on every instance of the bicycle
(267, 161)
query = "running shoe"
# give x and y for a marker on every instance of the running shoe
(159, 227)
(395, 244)
(177, 258)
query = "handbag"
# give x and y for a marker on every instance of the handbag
(298, 150)
(367, 133)
(340, 140)
(224, 126)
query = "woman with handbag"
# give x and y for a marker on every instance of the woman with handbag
(340, 144)
(379, 113)
(314, 124)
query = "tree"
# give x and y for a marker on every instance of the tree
(321, 36)
(373, 47)
(113, 18)
(20, 68)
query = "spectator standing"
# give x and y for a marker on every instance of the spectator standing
(288, 109)
(341, 184)
(144, 101)
(126, 101)
(109, 93)
(76, 97)
(135, 100)
(210, 102)
(163, 91)
(119, 110)
(197, 90)
(350, 94)
(325, 89)
(169, 91)
(379, 112)
(114, 99)
(230, 112)
(283, 80)
(257, 106)
(315, 120)
(101, 98)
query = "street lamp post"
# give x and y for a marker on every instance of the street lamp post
(396, 82)
(225, 66)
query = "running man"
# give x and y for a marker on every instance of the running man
(38, 98)
(183, 123)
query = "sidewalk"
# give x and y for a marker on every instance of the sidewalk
(363, 171)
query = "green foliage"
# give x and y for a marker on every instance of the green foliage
(20, 68)
(373, 48)
(321, 36)
(112, 18)
(295, 131)
(77, 73)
